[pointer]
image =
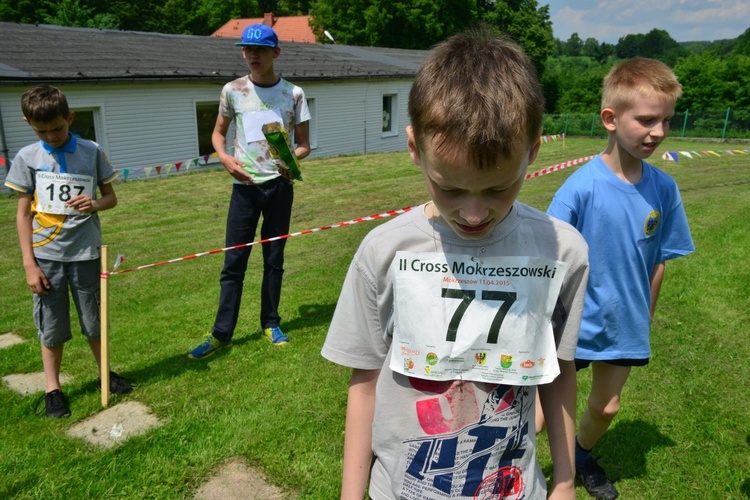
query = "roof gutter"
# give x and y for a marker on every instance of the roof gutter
(220, 78)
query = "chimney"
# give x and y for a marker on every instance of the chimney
(269, 19)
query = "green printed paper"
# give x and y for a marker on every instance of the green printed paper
(277, 139)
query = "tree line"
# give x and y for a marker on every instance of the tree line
(715, 75)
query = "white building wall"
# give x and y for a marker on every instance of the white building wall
(144, 125)
(349, 116)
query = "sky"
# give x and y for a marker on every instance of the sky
(684, 20)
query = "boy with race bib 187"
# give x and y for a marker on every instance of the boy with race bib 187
(454, 314)
(59, 232)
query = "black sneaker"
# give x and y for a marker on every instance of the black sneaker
(593, 478)
(54, 404)
(118, 384)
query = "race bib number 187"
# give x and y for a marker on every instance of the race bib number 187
(54, 191)
(486, 320)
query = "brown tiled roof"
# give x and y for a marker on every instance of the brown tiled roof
(288, 29)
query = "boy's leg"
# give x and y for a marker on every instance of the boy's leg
(96, 349)
(85, 289)
(603, 405)
(277, 214)
(538, 415)
(242, 221)
(52, 319)
(52, 360)
(607, 382)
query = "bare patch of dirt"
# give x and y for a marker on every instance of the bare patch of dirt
(115, 425)
(29, 383)
(9, 339)
(236, 480)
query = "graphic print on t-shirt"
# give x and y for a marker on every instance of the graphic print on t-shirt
(466, 450)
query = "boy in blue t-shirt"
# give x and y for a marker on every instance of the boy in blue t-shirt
(59, 231)
(631, 215)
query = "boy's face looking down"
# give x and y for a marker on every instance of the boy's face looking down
(640, 127)
(469, 200)
(55, 132)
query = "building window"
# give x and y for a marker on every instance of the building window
(312, 125)
(84, 124)
(390, 115)
(205, 115)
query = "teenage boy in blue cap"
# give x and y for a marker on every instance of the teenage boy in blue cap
(261, 185)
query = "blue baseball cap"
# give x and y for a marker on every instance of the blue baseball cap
(259, 34)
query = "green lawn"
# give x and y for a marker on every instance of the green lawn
(684, 430)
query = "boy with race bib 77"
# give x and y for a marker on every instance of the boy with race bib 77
(454, 314)
(59, 232)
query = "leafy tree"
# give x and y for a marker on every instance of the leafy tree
(524, 21)
(385, 23)
(574, 45)
(573, 84)
(604, 52)
(703, 85)
(21, 11)
(422, 23)
(741, 45)
(630, 45)
(590, 48)
(657, 44)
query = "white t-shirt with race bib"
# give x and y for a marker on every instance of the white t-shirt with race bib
(462, 331)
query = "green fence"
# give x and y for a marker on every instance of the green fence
(726, 124)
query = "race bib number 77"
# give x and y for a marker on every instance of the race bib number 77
(485, 320)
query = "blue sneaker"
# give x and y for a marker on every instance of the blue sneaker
(275, 335)
(208, 347)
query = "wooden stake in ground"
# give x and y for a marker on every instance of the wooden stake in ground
(104, 318)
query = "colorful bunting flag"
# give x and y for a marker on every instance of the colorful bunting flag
(118, 260)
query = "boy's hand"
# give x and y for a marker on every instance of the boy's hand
(236, 169)
(37, 281)
(83, 203)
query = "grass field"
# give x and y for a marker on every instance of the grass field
(684, 431)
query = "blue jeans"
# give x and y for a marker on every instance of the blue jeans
(273, 200)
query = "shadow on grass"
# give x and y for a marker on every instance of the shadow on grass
(310, 315)
(624, 448)
(745, 488)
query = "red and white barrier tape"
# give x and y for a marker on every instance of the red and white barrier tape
(368, 218)
(559, 166)
(267, 240)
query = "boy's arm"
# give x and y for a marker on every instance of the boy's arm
(657, 276)
(219, 141)
(35, 278)
(360, 409)
(87, 205)
(558, 400)
(302, 138)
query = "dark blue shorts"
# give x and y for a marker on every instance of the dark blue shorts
(584, 363)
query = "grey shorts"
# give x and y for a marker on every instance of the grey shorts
(52, 312)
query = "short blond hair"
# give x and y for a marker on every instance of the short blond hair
(639, 77)
(477, 92)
